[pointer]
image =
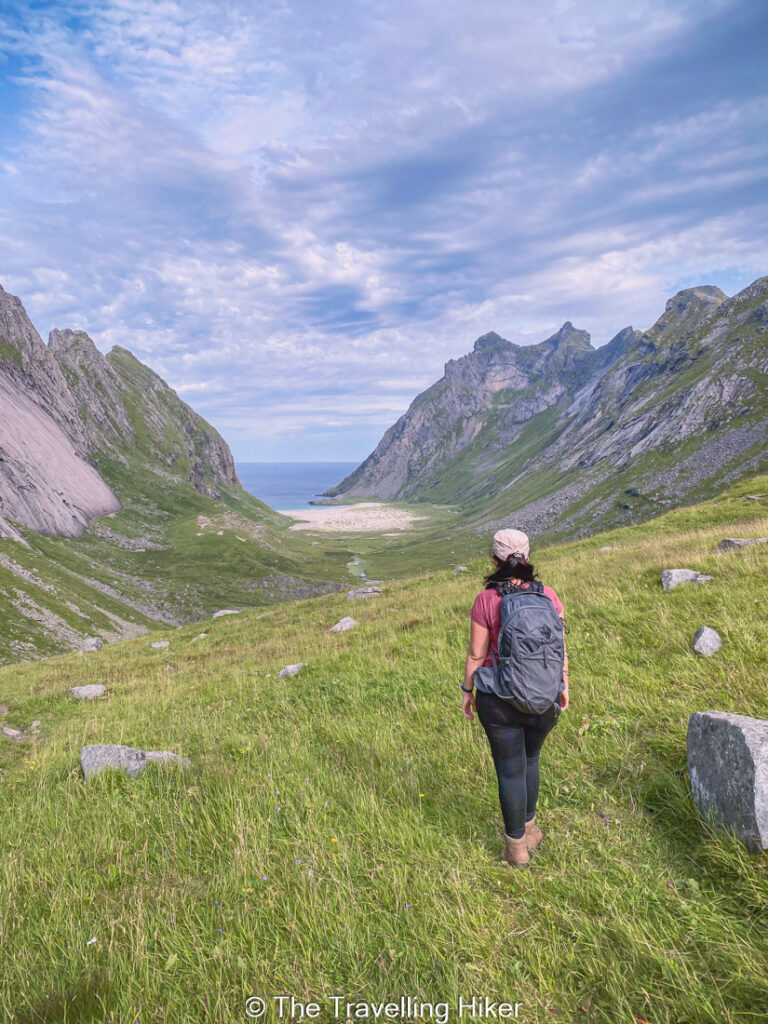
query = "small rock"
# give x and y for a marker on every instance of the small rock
(90, 692)
(343, 624)
(728, 768)
(671, 578)
(160, 643)
(608, 547)
(12, 734)
(461, 568)
(226, 611)
(132, 761)
(756, 497)
(707, 641)
(91, 643)
(737, 543)
(200, 636)
(363, 592)
(35, 727)
(291, 670)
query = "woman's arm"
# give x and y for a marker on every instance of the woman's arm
(564, 695)
(477, 652)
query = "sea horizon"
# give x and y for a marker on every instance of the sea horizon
(291, 485)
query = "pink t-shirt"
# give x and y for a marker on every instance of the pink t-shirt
(486, 611)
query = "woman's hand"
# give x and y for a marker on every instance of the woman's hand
(564, 699)
(468, 705)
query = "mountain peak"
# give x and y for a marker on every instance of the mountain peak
(687, 310)
(490, 340)
(702, 296)
(571, 336)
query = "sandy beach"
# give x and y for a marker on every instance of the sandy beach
(368, 517)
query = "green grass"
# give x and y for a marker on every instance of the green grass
(373, 872)
(9, 353)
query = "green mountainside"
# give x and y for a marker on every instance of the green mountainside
(338, 832)
(562, 439)
(120, 507)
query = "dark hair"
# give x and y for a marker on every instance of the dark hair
(511, 569)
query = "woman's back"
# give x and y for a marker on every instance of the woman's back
(486, 612)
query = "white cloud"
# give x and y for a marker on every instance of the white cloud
(331, 200)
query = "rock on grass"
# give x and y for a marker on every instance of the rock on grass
(91, 643)
(671, 578)
(737, 543)
(343, 624)
(707, 641)
(291, 670)
(728, 768)
(95, 758)
(360, 593)
(90, 692)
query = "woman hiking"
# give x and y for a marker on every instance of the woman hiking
(516, 736)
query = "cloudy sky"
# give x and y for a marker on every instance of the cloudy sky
(297, 211)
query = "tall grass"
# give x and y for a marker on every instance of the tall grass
(339, 831)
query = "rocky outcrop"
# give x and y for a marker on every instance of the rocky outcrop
(65, 409)
(728, 769)
(44, 484)
(97, 389)
(567, 439)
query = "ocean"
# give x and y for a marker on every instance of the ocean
(286, 485)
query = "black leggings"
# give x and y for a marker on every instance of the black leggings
(516, 739)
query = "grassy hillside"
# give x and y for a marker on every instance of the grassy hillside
(171, 555)
(338, 831)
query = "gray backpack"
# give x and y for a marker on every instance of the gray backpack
(529, 672)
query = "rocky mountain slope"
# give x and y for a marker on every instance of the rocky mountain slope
(563, 438)
(65, 405)
(120, 507)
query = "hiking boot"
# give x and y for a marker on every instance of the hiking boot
(533, 835)
(515, 852)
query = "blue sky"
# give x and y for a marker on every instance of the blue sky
(298, 212)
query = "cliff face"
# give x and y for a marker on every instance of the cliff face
(497, 382)
(66, 410)
(565, 438)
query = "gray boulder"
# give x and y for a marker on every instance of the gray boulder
(728, 768)
(99, 756)
(461, 568)
(160, 643)
(91, 643)
(608, 547)
(291, 670)
(90, 692)
(707, 641)
(671, 578)
(359, 593)
(737, 543)
(12, 734)
(200, 636)
(226, 611)
(343, 625)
